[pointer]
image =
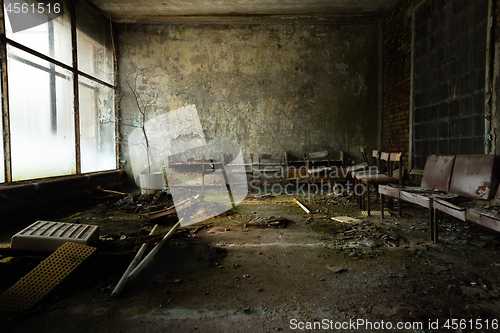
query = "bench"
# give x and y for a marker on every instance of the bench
(435, 181)
(448, 180)
(474, 178)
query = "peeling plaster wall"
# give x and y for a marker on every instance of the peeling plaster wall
(268, 88)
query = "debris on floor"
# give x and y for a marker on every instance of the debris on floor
(336, 269)
(346, 219)
(302, 206)
(137, 203)
(43, 278)
(263, 222)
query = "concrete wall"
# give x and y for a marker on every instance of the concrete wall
(269, 88)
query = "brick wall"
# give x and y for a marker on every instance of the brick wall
(396, 80)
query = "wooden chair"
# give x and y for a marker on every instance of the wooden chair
(391, 160)
(435, 182)
(373, 169)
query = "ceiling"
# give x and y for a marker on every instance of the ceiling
(244, 11)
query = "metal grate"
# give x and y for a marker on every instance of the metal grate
(43, 278)
(449, 79)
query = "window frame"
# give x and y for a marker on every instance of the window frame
(73, 69)
(488, 147)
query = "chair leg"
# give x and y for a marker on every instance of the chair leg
(435, 226)
(400, 202)
(381, 206)
(431, 220)
(367, 199)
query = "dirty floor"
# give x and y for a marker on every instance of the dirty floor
(235, 273)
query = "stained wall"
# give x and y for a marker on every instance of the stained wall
(269, 88)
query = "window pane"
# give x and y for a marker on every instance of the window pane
(95, 55)
(42, 119)
(52, 39)
(97, 126)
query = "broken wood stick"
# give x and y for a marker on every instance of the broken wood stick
(113, 192)
(151, 254)
(266, 222)
(302, 206)
(138, 256)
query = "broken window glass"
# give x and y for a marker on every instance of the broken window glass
(41, 117)
(97, 126)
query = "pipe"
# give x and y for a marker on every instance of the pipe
(151, 254)
(123, 280)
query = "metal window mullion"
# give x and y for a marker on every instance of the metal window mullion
(115, 93)
(76, 105)
(5, 101)
(52, 80)
(56, 62)
(488, 83)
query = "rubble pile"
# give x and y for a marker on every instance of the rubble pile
(137, 203)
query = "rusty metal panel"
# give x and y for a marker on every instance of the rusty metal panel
(437, 172)
(473, 175)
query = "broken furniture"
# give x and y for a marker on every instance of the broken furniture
(391, 159)
(319, 166)
(473, 178)
(486, 217)
(315, 167)
(49, 236)
(193, 167)
(436, 181)
(271, 167)
(448, 182)
(373, 169)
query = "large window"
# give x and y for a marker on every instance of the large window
(57, 127)
(449, 78)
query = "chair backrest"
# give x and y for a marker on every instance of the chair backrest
(376, 158)
(437, 172)
(316, 155)
(391, 160)
(474, 175)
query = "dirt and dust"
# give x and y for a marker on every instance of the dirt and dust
(313, 273)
